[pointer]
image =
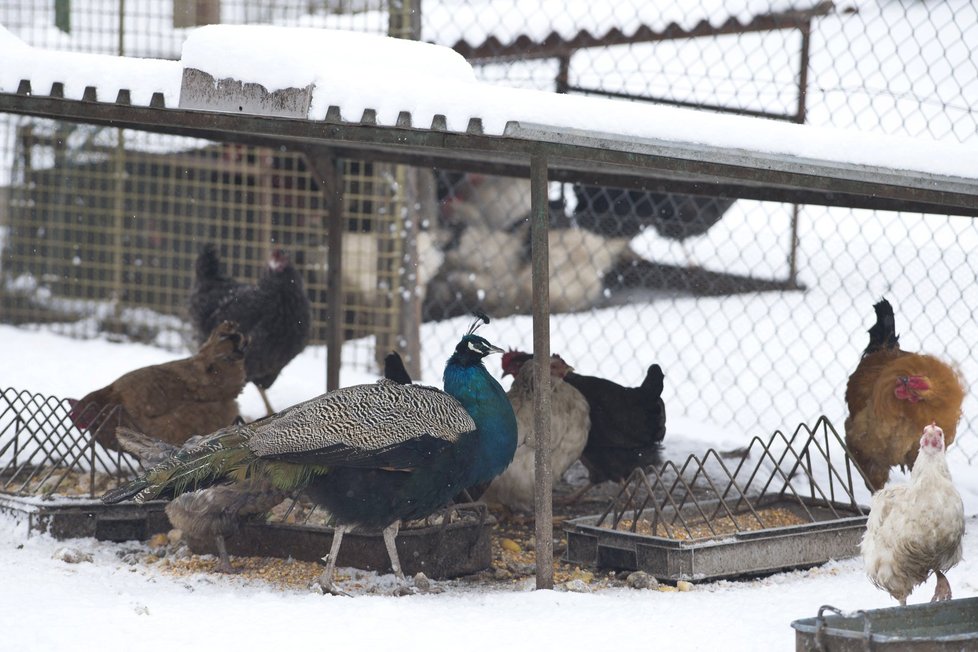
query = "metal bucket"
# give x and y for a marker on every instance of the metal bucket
(942, 626)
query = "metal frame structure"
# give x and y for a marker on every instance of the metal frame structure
(555, 46)
(543, 153)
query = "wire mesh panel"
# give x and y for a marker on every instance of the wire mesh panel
(42, 453)
(103, 226)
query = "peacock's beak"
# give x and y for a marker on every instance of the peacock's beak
(494, 349)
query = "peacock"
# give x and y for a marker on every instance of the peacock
(371, 455)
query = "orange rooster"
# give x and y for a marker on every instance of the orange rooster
(891, 396)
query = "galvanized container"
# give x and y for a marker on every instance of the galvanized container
(933, 627)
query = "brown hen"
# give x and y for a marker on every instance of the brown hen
(175, 400)
(892, 395)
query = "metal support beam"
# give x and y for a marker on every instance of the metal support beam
(571, 155)
(543, 490)
(328, 169)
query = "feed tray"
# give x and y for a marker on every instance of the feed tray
(932, 627)
(460, 548)
(69, 518)
(781, 503)
(749, 552)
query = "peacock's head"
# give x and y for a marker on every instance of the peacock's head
(475, 345)
(472, 348)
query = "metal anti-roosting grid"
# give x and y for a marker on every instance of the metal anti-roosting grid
(43, 454)
(809, 474)
(710, 308)
(789, 502)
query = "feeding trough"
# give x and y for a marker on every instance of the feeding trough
(788, 503)
(460, 544)
(932, 627)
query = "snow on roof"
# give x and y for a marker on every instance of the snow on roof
(355, 72)
(76, 70)
(283, 57)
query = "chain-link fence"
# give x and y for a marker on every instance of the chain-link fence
(757, 311)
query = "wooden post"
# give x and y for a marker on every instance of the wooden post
(404, 21)
(193, 13)
(543, 488)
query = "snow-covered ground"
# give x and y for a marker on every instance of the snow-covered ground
(109, 604)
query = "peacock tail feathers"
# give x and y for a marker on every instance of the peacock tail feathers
(223, 456)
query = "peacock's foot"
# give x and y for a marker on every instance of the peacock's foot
(422, 585)
(326, 586)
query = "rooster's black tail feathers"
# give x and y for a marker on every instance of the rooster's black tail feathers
(882, 335)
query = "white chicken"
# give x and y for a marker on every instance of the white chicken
(570, 423)
(915, 530)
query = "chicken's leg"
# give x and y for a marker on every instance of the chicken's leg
(325, 580)
(223, 562)
(943, 589)
(575, 496)
(264, 398)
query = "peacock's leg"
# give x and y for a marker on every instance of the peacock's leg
(325, 581)
(390, 534)
(421, 583)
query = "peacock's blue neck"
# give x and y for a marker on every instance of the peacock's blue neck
(486, 402)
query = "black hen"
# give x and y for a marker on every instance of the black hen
(372, 455)
(274, 314)
(617, 212)
(628, 424)
(394, 369)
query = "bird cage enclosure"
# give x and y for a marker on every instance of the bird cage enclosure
(757, 314)
(105, 241)
(782, 503)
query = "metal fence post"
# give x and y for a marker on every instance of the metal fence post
(543, 494)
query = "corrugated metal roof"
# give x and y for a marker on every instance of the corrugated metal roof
(647, 25)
